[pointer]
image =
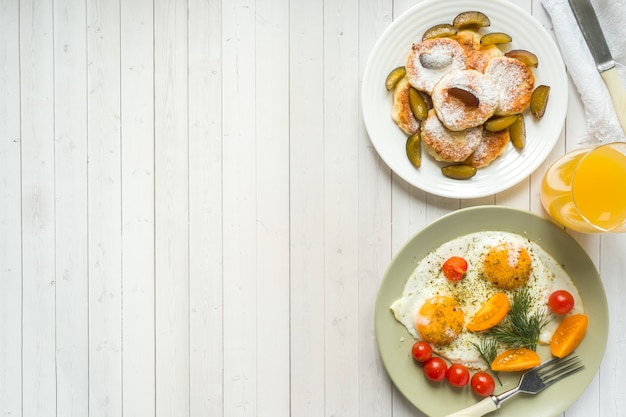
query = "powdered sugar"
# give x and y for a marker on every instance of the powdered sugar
(435, 60)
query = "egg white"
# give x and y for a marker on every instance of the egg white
(427, 280)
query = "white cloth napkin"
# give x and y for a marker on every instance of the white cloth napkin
(602, 122)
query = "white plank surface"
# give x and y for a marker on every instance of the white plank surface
(193, 221)
(10, 213)
(240, 276)
(171, 207)
(306, 191)
(137, 171)
(205, 209)
(71, 213)
(374, 223)
(38, 210)
(271, 100)
(104, 209)
(340, 178)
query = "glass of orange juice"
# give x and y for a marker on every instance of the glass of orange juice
(585, 190)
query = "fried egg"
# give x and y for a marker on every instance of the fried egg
(435, 309)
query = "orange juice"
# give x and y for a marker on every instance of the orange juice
(585, 190)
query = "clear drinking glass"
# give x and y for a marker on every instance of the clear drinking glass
(585, 190)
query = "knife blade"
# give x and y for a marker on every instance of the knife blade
(594, 37)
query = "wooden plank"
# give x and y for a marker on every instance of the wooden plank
(38, 231)
(171, 208)
(306, 207)
(239, 205)
(104, 205)
(517, 196)
(574, 109)
(137, 193)
(341, 208)
(272, 206)
(205, 208)
(608, 398)
(375, 232)
(71, 216)
(10, 212)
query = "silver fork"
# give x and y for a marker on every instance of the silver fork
(531, 382)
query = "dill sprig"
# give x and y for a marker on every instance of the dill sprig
(488, 350)
(520, 328)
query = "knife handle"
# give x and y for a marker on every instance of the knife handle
(618, 94)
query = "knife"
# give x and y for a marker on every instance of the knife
(592, 32)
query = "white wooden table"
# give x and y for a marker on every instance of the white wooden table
(193, 221)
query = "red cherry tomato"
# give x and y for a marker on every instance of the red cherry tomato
(483, 384)
(454, 268)
(435, 369)
(561, 302)
(458, 375)
(421, 351)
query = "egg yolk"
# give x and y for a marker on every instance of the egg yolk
(507, 266)
(440, 320)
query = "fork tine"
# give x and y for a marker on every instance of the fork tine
(555, 365)
(559, 369)
(546, 364)
(567, 372)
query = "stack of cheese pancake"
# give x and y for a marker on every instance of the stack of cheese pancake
(466, 84)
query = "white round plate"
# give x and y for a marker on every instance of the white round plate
(391, 50)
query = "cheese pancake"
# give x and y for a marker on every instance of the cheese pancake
(459, 114)
(478, 56)
(432, 59)
(491, 146)
(515, 82)
(401, 110)
(447, 145)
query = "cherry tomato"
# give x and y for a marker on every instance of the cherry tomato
(483, 384)
(421, 351)
(561, 302)
(454, 268)
(435, 368)
(458, 375)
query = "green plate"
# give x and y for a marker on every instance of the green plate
(440, 399)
